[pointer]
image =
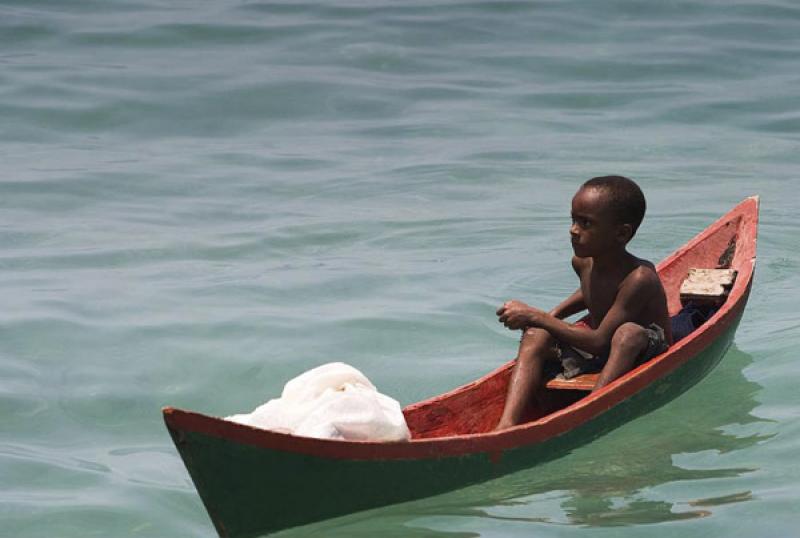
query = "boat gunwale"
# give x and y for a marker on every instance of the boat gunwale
(494, 443)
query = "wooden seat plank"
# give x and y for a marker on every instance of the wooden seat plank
(580, 382)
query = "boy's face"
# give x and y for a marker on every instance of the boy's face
(594, 229)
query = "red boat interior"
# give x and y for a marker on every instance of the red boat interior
(477, 406)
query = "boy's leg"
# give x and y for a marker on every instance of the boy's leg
(536, 347)
(630, 340)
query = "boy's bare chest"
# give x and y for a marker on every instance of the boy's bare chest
(599, 295)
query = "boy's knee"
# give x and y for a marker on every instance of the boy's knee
(629, 335)
(535, 342)
(534, 335)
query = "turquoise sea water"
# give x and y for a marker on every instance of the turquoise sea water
(200, 200)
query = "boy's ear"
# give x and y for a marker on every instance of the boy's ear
(625, 233)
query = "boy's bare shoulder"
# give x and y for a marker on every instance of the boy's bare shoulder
(643, 277)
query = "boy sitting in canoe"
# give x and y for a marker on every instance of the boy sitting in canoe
(628, 320)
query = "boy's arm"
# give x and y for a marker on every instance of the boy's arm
(571, 305)
(633, 294)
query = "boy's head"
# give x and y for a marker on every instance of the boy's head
(606, 212)
(624, 197)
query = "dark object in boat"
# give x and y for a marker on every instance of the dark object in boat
(690, 317)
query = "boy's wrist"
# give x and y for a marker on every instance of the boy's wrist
(536, 316)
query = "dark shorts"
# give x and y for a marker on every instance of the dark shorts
(573, 361)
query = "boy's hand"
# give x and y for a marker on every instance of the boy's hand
(517, 315)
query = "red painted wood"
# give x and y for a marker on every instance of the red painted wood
(458, 422)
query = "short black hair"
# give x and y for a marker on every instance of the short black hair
(625, 197)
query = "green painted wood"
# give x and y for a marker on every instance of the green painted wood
(250, 490)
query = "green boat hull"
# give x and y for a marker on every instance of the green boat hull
(250, 490)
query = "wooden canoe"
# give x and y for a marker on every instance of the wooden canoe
(254, 481)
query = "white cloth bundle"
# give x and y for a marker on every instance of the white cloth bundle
(332, 401)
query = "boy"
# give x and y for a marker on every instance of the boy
(628, 319)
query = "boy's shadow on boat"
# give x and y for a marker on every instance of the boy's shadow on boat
(602, 483)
